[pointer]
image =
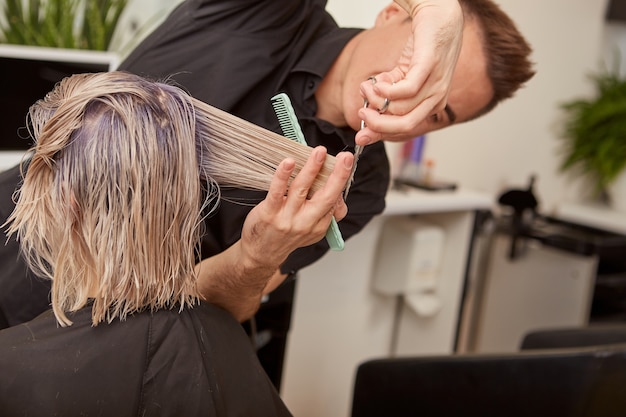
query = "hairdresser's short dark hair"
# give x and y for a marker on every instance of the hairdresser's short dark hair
(507, 51)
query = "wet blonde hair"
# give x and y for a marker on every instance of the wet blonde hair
(122, 168)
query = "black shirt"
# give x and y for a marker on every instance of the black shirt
(197, 362)
(236, 55)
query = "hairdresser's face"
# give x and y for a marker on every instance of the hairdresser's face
(379, 49)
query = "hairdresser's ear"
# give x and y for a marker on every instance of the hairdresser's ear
(390, 12)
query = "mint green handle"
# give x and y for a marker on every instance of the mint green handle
(334, 237)
(291, 129)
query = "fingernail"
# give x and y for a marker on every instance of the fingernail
(288, 164)
(320, 156)
(348, 162)
(366, 140)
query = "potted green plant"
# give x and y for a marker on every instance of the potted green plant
(595, 136)
(73, 24)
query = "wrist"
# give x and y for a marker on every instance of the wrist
(234, 281)
(258, 267)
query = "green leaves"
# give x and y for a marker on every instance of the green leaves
(595, 132)
(82, 24)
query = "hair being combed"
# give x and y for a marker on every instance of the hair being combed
(244, 155)
(110, 207)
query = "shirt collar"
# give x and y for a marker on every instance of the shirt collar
(321, 55)
(312, 67)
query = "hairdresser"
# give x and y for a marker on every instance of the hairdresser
(236, 55)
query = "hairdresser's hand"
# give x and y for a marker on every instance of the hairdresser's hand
(237, 278)
(287, 219)
(418, 86)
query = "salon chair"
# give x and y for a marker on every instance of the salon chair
(575, 337)
(580, 382)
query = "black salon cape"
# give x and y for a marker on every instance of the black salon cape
(198, 362)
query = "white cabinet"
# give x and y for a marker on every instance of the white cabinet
(544, 288)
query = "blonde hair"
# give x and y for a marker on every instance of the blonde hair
(122, 168)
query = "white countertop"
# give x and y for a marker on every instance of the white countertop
(416, 201)
(596, 216)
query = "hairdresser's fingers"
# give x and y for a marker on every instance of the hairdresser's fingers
(336, 183)
(328, 201)
(394, 128)
(310, 218)
(301, 185)
(417, 88)
(282, 224)
(267, 235)
(278, 187)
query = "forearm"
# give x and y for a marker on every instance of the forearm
(234, 282)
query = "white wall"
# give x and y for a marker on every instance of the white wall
(139, 18)
(520, 138)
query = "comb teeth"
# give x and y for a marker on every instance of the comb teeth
(287, 118)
